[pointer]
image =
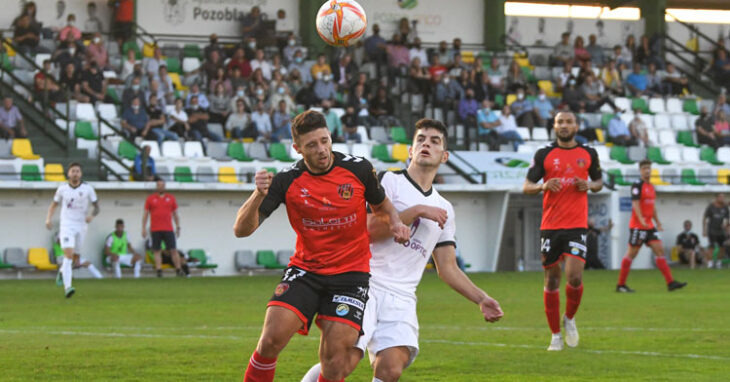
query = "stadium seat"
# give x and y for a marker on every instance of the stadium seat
(361, 150)
(723, 176)
(679, 122)
(127, 150)
(669, 175)
(23, 149)
(341, 148)
(183, 174)
(546, 86)
(283, 256)
(672, 154)
(690, 106)
(686, 138)
(707, 175)
(175, 78)
(540, 134)
(400, 152)
(258, 151)
(640, 103)
(148, 50)
(656, 179)
(623, 103)
(605, 119)
(4, 265)
(524, 132)
(205, 174)
(690, 155)
(236, 151)
(202, 258)
(193, 149)
(6, 149)
(267, 258)
(380, 152)
(674, 106)
(133, 46)
(636, 153)
(16, 257)
(600, 135)
(378, 134)
(603, 155)
(707, 154)
(171, 149)
(84, 130)
(227, 175)
(38, 257)
(399, 135)
(190, 64)
(54, 172)
(662, 121)
(619, 154)
(723, 154)
(245, 259)
(363, 131)
(154, 148)
(8, 171)
(192, 50)
(656, 105)
(173, 65)
(618, 177)
(85, 111)
(31, 173)
(667, 138)
(655, 155)
(112, 93)
(219, 151)
(278, 152)
(511, 98)
(689, 177)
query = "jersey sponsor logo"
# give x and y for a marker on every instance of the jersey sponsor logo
(349, 301)
(415, 244)
(342, 310)
(358, 314)
(324, 224)
(281, 289)
(345, 191)
(362, 292)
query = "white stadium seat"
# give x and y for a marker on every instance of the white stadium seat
(171, 149)
(723, 154)
(674, 105)
(672, 154)
(524, 133)
(154, 148)
(690, 155)
(656, 105)
(667, 137)
(193, 149)
(623, 103)
(85, 112)
(540, 134)
(661, 121)
(679, 122)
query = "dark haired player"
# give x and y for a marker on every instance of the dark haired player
(643, 231)
(568, 170)
(325, 195)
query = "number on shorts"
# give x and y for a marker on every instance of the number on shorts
(544, 245)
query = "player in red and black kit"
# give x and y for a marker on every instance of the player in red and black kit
(642, 230)
(325, 196)
(161, 208)
(568, 170)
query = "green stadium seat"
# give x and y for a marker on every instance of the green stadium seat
(278, 152)
(399, 135)
(499, 100)
(173, 65)
(640, 103)
(619, 154)
(202, 258)
(127, 150)
(183, 174)
(30, 172)
(707, 154)
(655, 155)
(133, 46)
(690, 106)
(689, 177)
(6, 63)
(605, 119)
(272, 170)
(380, 152)
(618, 178)
(237, 152)
(84, 130)
(685, 137)
(112, 93)
(527, 72)
(267, 258)
(192, 50)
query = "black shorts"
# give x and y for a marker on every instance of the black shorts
(554, 244)
(159, 236)
(339, 298)
(716, 240)
(638, 237)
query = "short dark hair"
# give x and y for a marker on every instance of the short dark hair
(119, 221)
(644, 162)
(308, 121)
(428, 123)
(75, 164)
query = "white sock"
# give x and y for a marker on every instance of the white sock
(377, 379)
(117, 269)
(137, 267)
(67, 272)
(313, 374)
(95, 272)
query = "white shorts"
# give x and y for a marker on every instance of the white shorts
(72, 237)
(390, 320)
(125, 260)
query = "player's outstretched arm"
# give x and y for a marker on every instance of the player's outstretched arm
(445, 259)
(247, 218)
(385, 210)
(531, 188)
(51, 210)
(378, 225)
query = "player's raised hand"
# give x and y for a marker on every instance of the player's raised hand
(401, 232)
(490, 309)
(144, 233)
(580, 184)
(263, 181)
(439, 215)
(553, 185)
(659, 227)
(48, 224)
(89, 218)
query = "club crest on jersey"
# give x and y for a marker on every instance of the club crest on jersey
(581, 162)
(342, 310)
(281, 289)
(345, 191)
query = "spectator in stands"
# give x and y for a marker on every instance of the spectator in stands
(132, 92)
(655, 84)
(455, 47)
(564, 76)
(240, 94)
(496, 77)
(674, 80)
(611, 78)
(135, 120)
(25, 36)
(220, 79)
(563, 52)
(70, 29)
(178, 120)
(198, 120)
(277, 66)
(593, 93)
(419, 80)
(43, 83)
(579, 51)
(464, 80)
(11, 121)
(152, 64)
(202, 100)
(689, 246)
(488, 121)
(468, 108)
(345, 72)
(158, 92)
(94, 85)
(158, 122)
(68, 52)
(586, 133)
(96, 52)
(630, 47)
(93, 23)
(249, 48)
(128, 65)
(477, 68)
(619, 133)
(595, 51)
(70, 80)
(722, 128)
(252, 24)
(418, 51)
(349, 126)
(213, 46)
(258, 94)
(572, 96)
(260, 63)
(123, 24)
(721, 67)
(238, 121)
(284, 26)
(166, 86)
(333, 121)
(299, 66)
(262, 122)
(382, 108)
(544, 111)
(397, 56)
(144, 165)
(30, 10)
(220, 104)
(211, 66)
(705, 129)
(236, 80)
(515, 78)
(445, 55)
(457, 66)
(241, 62)
(291, 48)
(281, 122)
(359, 100)
(437, 69)
(637, 82)
(507, 129)
(721, 105)
(483, 87)
(324, 88)
(622, 57)
(638, 129)
(375, 48)
(524, 111)
(645, 55)
(406, 33)
(321, 66)
(282, 94)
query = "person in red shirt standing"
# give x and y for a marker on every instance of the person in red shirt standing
(161, 208)
(325, 195)
(123, 19)
(643, 231)
(568, 170)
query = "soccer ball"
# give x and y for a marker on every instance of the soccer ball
(341, 22)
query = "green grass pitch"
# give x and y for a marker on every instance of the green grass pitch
(204, 329)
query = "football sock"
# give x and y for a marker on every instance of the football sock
(573, 296)
(186, 269)
(66, 272)
(377, 380)
(137, 267)
(552, 309)
(95, 272)
(313, 373)
(260, 369)
(625, 268)
(661, 263)
(117, 269)
(323, 379)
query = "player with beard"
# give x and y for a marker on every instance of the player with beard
(568, 170)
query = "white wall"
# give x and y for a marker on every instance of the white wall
(529, 30)
(53, 13)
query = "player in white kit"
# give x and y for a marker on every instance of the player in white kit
(74, 198)
(390, 324)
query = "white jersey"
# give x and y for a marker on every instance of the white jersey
(74, 203)
(399, 267)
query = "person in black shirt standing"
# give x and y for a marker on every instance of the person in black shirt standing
(714, 222)
(592, 258)
(689, 246)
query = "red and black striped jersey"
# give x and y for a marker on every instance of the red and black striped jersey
(328, 213)
(646, 195)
